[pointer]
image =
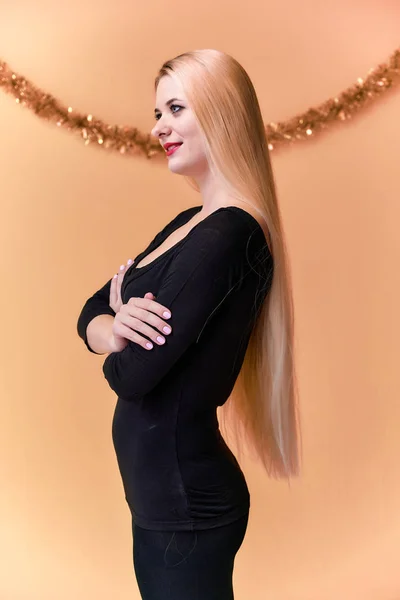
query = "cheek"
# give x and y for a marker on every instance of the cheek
(193, 149)
(195, 141)
(189, 132)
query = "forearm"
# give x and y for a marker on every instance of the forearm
(99, 334)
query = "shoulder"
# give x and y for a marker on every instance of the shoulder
(224, 234)
(236, 224)
(234, 235)
(224, 221)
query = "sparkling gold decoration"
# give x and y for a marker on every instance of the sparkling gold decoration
(129, 140)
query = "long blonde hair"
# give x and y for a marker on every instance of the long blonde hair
(264, 400)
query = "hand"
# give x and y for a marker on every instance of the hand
(115, 288)
(133, 316)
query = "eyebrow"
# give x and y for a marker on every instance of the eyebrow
(168, 103)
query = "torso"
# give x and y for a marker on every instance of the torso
(177, 471)
(177, 235)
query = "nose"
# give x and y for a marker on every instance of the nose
(161, 128)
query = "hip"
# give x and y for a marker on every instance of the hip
(187, 564)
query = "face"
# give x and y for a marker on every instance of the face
(175, 122)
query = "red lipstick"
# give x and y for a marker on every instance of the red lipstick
(172, 148)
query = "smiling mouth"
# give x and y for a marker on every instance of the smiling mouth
(173, 149)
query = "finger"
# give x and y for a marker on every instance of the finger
(151, 306)
(121, 274)
(122, 270)
(141, 327)
(145, 322)
(115, 286)
(133, 336)
(114, 290)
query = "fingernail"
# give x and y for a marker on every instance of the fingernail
(129, 261)
(167, 315)
(121, 267)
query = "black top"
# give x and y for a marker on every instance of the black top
(178, 473)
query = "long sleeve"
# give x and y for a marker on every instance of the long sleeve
(98, 304)
(203, 273)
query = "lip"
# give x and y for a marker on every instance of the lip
(173, 149)
(168, 144)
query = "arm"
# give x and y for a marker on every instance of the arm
(100, 331)
(99, 334)
(201, 275)
(98, 304)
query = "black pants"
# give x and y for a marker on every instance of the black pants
(187, 565)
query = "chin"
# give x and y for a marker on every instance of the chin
(177, 168)
(174, 169)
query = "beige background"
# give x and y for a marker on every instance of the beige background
(72, 214)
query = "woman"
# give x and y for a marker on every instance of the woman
(220, 270)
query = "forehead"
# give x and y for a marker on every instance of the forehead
(168, 87)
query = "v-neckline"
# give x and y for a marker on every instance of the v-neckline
(143, 254)
(137, 271)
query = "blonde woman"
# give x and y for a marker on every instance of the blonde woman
(203, 314)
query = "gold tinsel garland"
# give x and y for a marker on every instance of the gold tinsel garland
(129, 140)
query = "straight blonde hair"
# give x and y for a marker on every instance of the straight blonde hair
(263, 406)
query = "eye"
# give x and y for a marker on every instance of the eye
(176, 106)
(157, 116)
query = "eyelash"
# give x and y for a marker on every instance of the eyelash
(171, 105)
